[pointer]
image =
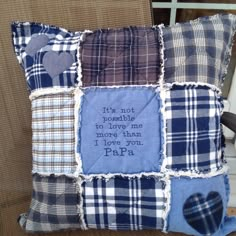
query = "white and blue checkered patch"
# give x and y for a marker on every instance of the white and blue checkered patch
(124, 204)
(199, 50)
(53, 134)
(193, 129)
(53, 206)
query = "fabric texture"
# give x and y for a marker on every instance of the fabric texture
(204, 214)
(53, 134)
(199, 50)
(53, 206)
(34, 43)
(120, 126)
(126, 126)
(121, 57)
(124, 204)
(182, 190)
(193, 133)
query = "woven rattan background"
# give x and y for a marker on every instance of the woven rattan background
(15, 112)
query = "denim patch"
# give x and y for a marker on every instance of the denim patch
(120, 127)
(183, 190)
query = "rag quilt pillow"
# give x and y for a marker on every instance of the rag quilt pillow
(126, 126)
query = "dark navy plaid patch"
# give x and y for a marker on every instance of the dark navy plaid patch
(193, 128)
(124, 204)
(54, 204)
(48, 54)
(199, 50)
(204, 214)
(121, 56)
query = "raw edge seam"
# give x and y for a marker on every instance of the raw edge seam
(167, 194)
(80, 208)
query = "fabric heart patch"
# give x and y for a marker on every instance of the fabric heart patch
(36, 43)
(55, 63)
(204, 214)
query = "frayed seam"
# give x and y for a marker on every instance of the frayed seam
(48, 91)
(169, 86)
(228, 53)
(163, 160)
(80, 207)
(196, 174)
(162, 57)
(79, 55)
(78, 96)
(167, 205)
(51, 173)
(122, 86)
(109, 176)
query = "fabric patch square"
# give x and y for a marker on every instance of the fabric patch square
(120, 127)
(121, 56)
(53, 206)
(199, 50)
(193, 129)
(48, 54)
(198, 210)
(53, 134)
(124, 204)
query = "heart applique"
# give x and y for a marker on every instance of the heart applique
(55, 63)
(36, 43)
(204, 214)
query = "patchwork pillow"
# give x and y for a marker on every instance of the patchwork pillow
(126, 126)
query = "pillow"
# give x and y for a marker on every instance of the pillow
(126, 126)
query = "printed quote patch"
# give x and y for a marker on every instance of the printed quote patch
(120, 127)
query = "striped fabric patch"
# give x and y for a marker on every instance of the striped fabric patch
(193, 129)
(124, 204)
(53, 134)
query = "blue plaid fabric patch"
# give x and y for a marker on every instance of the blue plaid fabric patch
(204, 214)
(198, 51)
(48, 54)
(53, 206)
(124, 204)
(193, 129)
(121, 56)
(53, 134)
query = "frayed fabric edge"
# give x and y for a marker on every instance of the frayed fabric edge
(80, 70)
(166, 211)
(164, 128)
(48, 91)
(80, 207)
(48, 174)
(228, 52)
(78, 96)
(122, 86)
(169, 86)
(195, 174)
(109, 176)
